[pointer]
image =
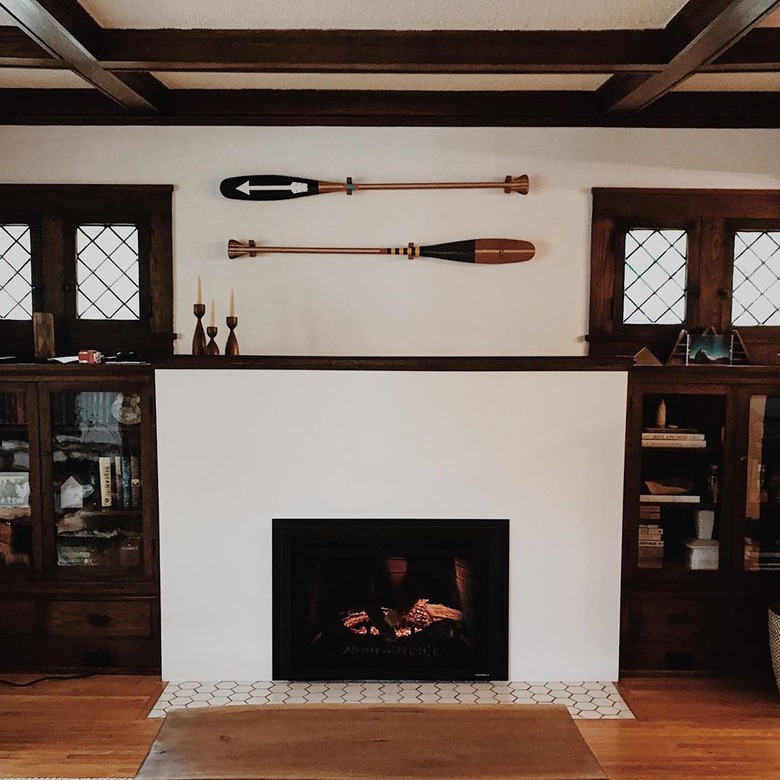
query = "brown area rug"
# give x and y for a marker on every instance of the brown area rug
(371, 742)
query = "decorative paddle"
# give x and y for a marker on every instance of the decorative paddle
(475, 250)
(287, 187)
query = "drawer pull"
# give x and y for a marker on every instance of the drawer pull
(679, 619)
(97, 620)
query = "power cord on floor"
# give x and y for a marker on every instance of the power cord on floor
(82, 676)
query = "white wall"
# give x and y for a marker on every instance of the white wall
(351, 305)
(239, 448)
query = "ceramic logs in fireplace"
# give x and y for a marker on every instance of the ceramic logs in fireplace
(390, 599)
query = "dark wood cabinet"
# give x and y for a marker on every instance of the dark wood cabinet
(701, 542)
(79, 574)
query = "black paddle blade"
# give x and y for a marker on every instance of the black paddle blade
(267, 187)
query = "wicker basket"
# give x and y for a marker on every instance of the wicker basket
(774, 639)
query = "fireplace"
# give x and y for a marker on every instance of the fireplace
(390, 599)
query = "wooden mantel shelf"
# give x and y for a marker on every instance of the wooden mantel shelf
(399, 363)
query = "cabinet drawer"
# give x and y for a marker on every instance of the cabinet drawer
(17, 617)
(672, 656)
(99, 618)
(58, 654)
(679, 618)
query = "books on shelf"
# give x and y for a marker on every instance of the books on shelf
(106, 481)
(672, 444)
(650, 546)
(673, 437)
(120, 481)
(661, 499)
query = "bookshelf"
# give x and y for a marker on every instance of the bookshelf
(701, 548)
(78, 520)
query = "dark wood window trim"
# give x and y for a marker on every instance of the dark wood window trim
(54, 211)
(711, 218)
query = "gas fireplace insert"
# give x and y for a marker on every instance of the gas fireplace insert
(390, 599)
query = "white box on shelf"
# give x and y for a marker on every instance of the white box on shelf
(703, 554)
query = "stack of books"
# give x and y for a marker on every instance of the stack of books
(650, 512)
(651, 546)
(673, 437)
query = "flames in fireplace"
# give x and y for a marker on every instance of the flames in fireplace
(394, 605)
(420, 617)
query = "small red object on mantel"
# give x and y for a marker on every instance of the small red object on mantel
(90, 356)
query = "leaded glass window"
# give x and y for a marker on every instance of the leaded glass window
(756, 283)
(107, 264)
(655, 276)
(15, 273)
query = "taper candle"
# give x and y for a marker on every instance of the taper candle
(232, 304)
(200, 292)
(213, 318)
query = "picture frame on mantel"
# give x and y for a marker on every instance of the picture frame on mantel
(708, 348)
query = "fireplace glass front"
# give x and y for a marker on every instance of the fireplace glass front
(390, 599)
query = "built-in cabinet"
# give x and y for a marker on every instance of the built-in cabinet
(79, 580)
(701, 518)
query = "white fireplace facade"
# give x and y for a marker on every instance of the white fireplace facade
(237, 448)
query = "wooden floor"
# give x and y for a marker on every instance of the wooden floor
(684, 728)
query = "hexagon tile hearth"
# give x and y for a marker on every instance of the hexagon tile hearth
(593, 700)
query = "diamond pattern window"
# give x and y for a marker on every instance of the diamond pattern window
(97, 257)
(655, 277)
(15, 273)
(756, 282)
(107, 267)
(665, 259)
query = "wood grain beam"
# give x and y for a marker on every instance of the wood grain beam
(702, 31)
(17, 50)
(66, 32)
(388, 51)
(370, 51)
(391, 108)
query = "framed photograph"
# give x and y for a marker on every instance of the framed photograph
(709, 349)
(14, 489)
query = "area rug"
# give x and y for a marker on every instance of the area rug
(371, 742)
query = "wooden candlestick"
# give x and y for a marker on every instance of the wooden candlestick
(231, 345)
(211, 347)
(199, 337)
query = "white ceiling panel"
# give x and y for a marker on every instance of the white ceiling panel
(35, 78)
(731, 82)
(399, 81)
(383, 15)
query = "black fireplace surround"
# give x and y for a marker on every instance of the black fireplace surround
(390, 599)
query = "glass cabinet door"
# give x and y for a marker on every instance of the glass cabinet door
(762, 502)
(16, 531)
(97, 482)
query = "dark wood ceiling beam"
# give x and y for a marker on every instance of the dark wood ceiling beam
(392, 108)
(758, 51)
(611, 51)
(64, 30)
(702, 31)
(18, 51)
(384, 51)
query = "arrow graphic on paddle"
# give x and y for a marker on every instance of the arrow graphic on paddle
(272, 187)
(492, 251)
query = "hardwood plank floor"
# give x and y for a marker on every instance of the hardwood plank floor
(92, 727)
(691, 729)
(686, 729)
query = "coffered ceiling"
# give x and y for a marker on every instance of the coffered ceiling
(651, 63)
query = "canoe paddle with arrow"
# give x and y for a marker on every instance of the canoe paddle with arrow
(266, 188)
(477, 250)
